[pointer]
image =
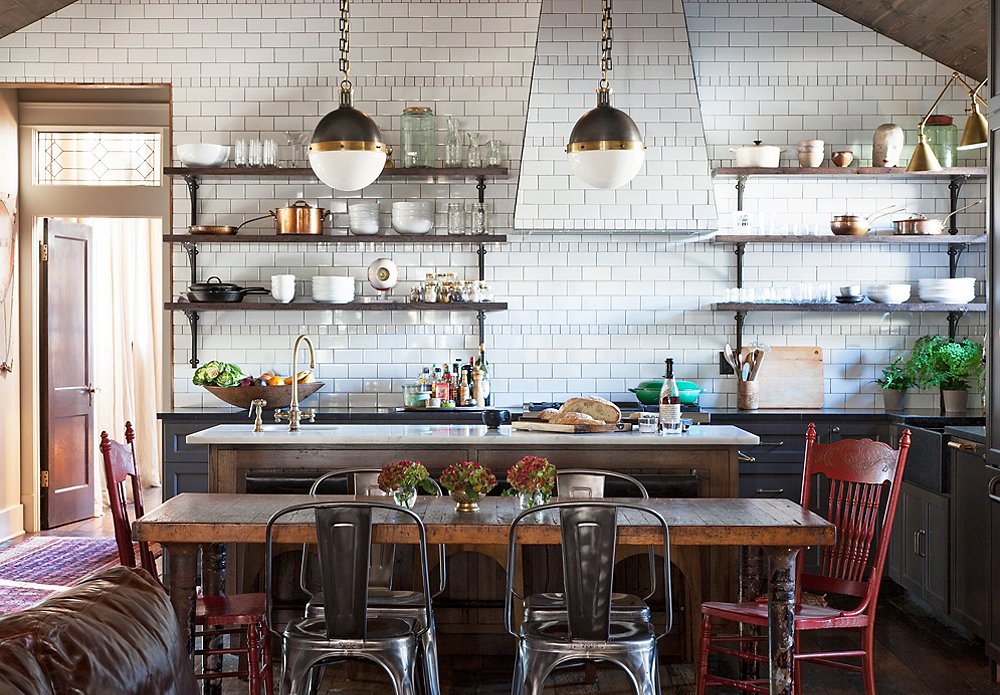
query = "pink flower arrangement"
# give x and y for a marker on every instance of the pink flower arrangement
(468, 477)
(403, 475)
(531, 475)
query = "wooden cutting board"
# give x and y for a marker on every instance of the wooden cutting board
(531, 426)
(791, 377)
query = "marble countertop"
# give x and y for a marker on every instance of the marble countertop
(464, 435)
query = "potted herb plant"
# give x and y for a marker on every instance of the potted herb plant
(894, 382)
(952, 366)
(467, 482)
(401, 479)
(532, 480)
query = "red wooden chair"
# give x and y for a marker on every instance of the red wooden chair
(863, 478)
(242, 615)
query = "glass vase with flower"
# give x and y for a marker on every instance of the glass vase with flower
(532, 479)
(467, 482)
(401, 479)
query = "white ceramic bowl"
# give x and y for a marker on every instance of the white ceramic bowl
(889, 293)
(413, 217)
(203, 154)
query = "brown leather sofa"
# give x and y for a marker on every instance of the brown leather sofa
(114, 633)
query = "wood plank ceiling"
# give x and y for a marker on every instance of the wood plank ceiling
(16, 14)
(952, 32)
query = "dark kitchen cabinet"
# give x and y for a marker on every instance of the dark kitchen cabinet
(185, 466)
(993, 638)
(919, 553)
(970, 534)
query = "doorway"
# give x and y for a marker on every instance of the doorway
(77, 172)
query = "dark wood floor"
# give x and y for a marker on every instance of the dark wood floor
(915, 655)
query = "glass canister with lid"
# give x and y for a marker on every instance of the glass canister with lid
(942, 136)
(418, 137)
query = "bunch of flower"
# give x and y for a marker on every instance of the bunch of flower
(403, 475)
(469, 477)
(532, 474)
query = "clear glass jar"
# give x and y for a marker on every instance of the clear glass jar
(418, 136)
(456, 218)
(942, 136)
(453, 143)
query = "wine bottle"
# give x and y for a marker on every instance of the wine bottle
(484, 367)
(670, 402)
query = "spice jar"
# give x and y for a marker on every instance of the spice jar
(418, 136)
(942, 135)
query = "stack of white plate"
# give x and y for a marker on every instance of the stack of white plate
(888, 293)
(947, 290)
(333, 288)
(363, 217)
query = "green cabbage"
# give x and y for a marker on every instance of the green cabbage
(217, 373)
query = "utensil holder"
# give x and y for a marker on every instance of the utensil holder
(747, 395)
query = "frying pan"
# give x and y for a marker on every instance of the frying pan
(222, 229)
(919, 224)
(215, 290)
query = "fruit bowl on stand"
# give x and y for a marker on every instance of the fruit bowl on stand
(276, 396)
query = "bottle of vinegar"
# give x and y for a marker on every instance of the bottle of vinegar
(670, 402)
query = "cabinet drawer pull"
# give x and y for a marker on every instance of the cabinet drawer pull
(922, 543)
(961, 446)
(991, 489)
(776, 491)
(774, 444)
(744, 457)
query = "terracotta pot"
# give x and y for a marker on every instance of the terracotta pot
(894, 399)
(955, 401)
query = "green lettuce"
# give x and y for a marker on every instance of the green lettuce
(217, 373)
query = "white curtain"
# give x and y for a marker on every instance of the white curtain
(127, 334)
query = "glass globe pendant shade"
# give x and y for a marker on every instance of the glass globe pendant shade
(347, 151)
(605, 148)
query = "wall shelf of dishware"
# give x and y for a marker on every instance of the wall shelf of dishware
(334, 239)
(846, 172)
(864, 307)
(307, 173)
(376, 305)
(904, 239)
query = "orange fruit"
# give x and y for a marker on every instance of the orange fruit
(276, 381)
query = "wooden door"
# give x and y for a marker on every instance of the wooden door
(992, 89)
(67, 437)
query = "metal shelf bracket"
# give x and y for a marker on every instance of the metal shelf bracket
(955, 252)
(193, 186)
(953, 318)
(482, 261)
(741, 188)
(740, 251)
(191, 248)
(193, 317)
(955, 188)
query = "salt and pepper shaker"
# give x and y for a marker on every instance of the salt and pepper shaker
(258, 404)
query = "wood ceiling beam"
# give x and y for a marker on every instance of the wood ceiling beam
(17, 14)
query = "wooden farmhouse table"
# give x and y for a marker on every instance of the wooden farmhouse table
(193, 522)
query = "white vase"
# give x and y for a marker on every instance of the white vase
(887, 145)
(405, 497)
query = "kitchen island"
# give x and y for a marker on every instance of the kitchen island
(706, 454)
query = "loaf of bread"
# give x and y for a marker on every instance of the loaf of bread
(594, 406)
(573, 419)
(547, 414)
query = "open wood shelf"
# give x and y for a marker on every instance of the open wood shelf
(306, 172)
(864, 307)
(330, 306)
(883, 172)
(333, 239)
(835, 239)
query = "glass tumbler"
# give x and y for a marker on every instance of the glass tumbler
(270, 154)
(456, 218)
(240, 153)
(494, 153)
(255, 153)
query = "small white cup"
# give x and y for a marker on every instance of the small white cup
(283, 288)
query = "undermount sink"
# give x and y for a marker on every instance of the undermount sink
(302, 428)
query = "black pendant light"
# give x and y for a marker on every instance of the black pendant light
(347, 151)
(605, 148)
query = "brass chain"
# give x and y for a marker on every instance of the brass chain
(606, 37)
(345, 44)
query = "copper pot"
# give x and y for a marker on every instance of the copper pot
(300, 218)
(857, 225)
(920, 224)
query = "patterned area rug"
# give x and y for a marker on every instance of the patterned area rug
(42, 565)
